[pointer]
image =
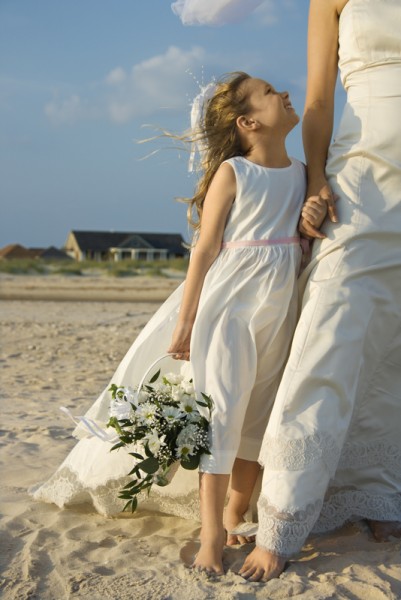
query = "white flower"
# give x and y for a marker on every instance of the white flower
(187, 436)
(161, 387)
(188, 404)
(188, 387)
(146, 412)
(173, 378)
(177, 394)
(184, 450)
(171, 413)
(154, 442)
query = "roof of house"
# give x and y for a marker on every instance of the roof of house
(16, 251)
(134, 241)
(53, 252)
(101, 241)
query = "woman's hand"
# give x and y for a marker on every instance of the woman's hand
(315, 209)
(181, 341)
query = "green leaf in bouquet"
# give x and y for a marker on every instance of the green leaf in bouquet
(133, 504)
(131, 484)
(208, 400)
(126, 438)
(133, 491)
(191, 462)
(119, 445)
(148, 452)
(134, 471)
(136, 455)
(199, 403)
(114, 422)
(125, 495)
(113, 389)
(150, 465)
(155, 377)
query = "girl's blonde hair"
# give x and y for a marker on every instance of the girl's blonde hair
(218, 134)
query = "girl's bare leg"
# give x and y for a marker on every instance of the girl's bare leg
(212, 491)
(243, 480)
(261, 565)
(383, 530)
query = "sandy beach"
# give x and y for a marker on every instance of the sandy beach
(61, 340)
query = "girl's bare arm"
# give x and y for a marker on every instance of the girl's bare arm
(216, 208)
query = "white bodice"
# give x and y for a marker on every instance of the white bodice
(369, 38)
(268, 201)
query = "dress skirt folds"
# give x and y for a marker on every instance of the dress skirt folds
(240, 340)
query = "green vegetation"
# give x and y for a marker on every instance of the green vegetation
(124, 268)
(23, 266)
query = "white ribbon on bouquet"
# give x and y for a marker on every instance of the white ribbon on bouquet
(92, 426)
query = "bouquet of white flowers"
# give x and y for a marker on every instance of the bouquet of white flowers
(161, 422)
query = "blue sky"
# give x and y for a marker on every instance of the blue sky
(79, 79)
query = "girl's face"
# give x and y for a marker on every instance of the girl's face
(270, 108)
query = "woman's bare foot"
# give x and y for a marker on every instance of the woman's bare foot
(383, 530)
(210, 555)
(261, 565)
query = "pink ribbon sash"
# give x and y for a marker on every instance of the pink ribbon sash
(274, 242)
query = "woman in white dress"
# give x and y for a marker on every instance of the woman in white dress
(332, 449)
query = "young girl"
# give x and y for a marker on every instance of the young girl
(239, 304)
(233, 319)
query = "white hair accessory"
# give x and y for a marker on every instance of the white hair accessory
(197, 115)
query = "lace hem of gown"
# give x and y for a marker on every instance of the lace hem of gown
(284, 533)
(300, 453)
(65, 489)
(349, 504)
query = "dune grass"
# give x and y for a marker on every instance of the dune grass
(125, 268)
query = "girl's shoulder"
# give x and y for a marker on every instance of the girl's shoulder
(299, 166)
(298, 163)
(242, 165)
(233, 161)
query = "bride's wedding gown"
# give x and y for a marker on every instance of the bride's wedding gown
(332, 449)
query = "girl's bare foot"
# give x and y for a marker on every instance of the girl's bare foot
(231, 521)
(383, 530)
(261, 565)
(210, 555)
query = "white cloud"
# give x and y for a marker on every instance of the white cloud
(116, 76)
(213, 12)
(266, 13)
(66, 111)
(160, 82)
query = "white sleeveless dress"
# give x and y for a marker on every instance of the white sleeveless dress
(240, 341)
(332, 449)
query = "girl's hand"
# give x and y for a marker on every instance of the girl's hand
(181, 341)
(314, 212)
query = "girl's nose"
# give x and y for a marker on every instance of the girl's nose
(285, 94)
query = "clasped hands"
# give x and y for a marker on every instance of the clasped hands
(314, 212)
